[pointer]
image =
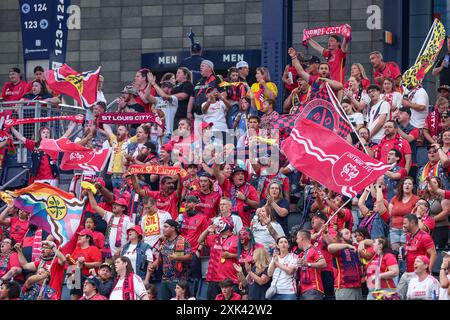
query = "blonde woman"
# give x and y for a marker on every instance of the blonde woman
(263, 89)
(357, 71)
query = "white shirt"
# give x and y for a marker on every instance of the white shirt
(418, 117)
(237, 223)
(152, 230)
(169, 107)
(132, 255)
(262, 234)
(374, 118)
(112, 234)
(285, 282)
(427, 289)
(396, 99)
(139, 289)
(356, 119)
(443, 293)
(216, 115)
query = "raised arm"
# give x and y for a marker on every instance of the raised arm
(297, 65)
(4, 219)
(70, 129)
(18, 135)
(94, 204)
(316, 46)
(137, 187)
(362, 202)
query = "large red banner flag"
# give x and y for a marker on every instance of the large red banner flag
(82, 86)
(327, 158)
(61, 145)
(94, 160)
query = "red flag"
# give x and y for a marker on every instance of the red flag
(61, 145)
(330, 160)
(82, 86)
(85, 160)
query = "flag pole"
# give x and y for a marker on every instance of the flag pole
(49, 271)
(427, 39)
(334, 102)
(335, 213)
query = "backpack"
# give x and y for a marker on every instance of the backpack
(375, 225)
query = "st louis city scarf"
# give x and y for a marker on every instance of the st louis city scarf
(14, 122)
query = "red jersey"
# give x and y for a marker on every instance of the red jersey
(310, 278)
(247, 255)
(338, 223)
(348, 274)
(400, 209)
(90, 254)
(6, 265)
(336, 60)
(387, 261)
(208, 203)
(417, 245)
(44, 171)
(218, 268)
(165, 203)
(250, 192)
(429, 222)
(364, 82)
(44, 264)
(11, 92)
(398, 143)
(234, 296)
(18, 229)
(391, 70)
(321, 245)
(99, 240)
(193, 227)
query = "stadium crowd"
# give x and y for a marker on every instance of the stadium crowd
(262, 227)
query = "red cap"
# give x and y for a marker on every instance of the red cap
(206, 125)
(122, 202)
(86, 232)
(168, 147)
(424, 259)
(101, 181)
(136, 228)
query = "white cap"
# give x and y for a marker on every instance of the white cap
(242, 64)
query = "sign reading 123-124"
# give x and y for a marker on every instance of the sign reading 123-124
(35, 17)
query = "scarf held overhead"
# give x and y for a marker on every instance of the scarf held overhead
(161, 170)
(14, 122)
(127, 118)
(344, 30)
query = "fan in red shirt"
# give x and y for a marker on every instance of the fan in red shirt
(16, 88)
(194, 223)
(383, 70)
(311, 262)
(418, 243)
(393, 140)
(244, 197)
(336, 55)
(357, 71)
(226, 286)
(223, 247)
(9, 261)
(388, 267)
(343, 219)
(347, 267)
(208, 199)
(426, 221)
(142, 86)
(90, 289)
(18, 225)
(167, 199)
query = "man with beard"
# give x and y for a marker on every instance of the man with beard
(49, 250)
(208, 199)
(383, 70)
(347, 281)
(244, 197)
(119, 145)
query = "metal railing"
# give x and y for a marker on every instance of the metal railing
(38, 109)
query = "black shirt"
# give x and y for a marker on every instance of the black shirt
(200, 91)
(187, 88)
(193, 63)
(444, 76)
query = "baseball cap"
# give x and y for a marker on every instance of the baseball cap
(242, 64)
(314, 59)
(443, 87)
(94, 281)
(196, 47)
(121, 202)
(86, 232)
(424, 259)
(106, 264)
(320, 215)
(206, 125)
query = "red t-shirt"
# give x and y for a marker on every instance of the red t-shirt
(90, 254)
(99, 240)
(338, 223)
(364, 82)
(44, 171)
(310, 278)
(429, 222)
(400, 209)
(11, 92)
(336, 60)
(219, 269)
(12, 262)
(387, 261)
(234, 296)
(251, 194)
(45, 265)
(165, 203)
(18, 229)
(417, 246)
(396, 143)
(390, 71)
(247, 255)
(208, 203)
(193, 227)
(349, 277)
(321, 245)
